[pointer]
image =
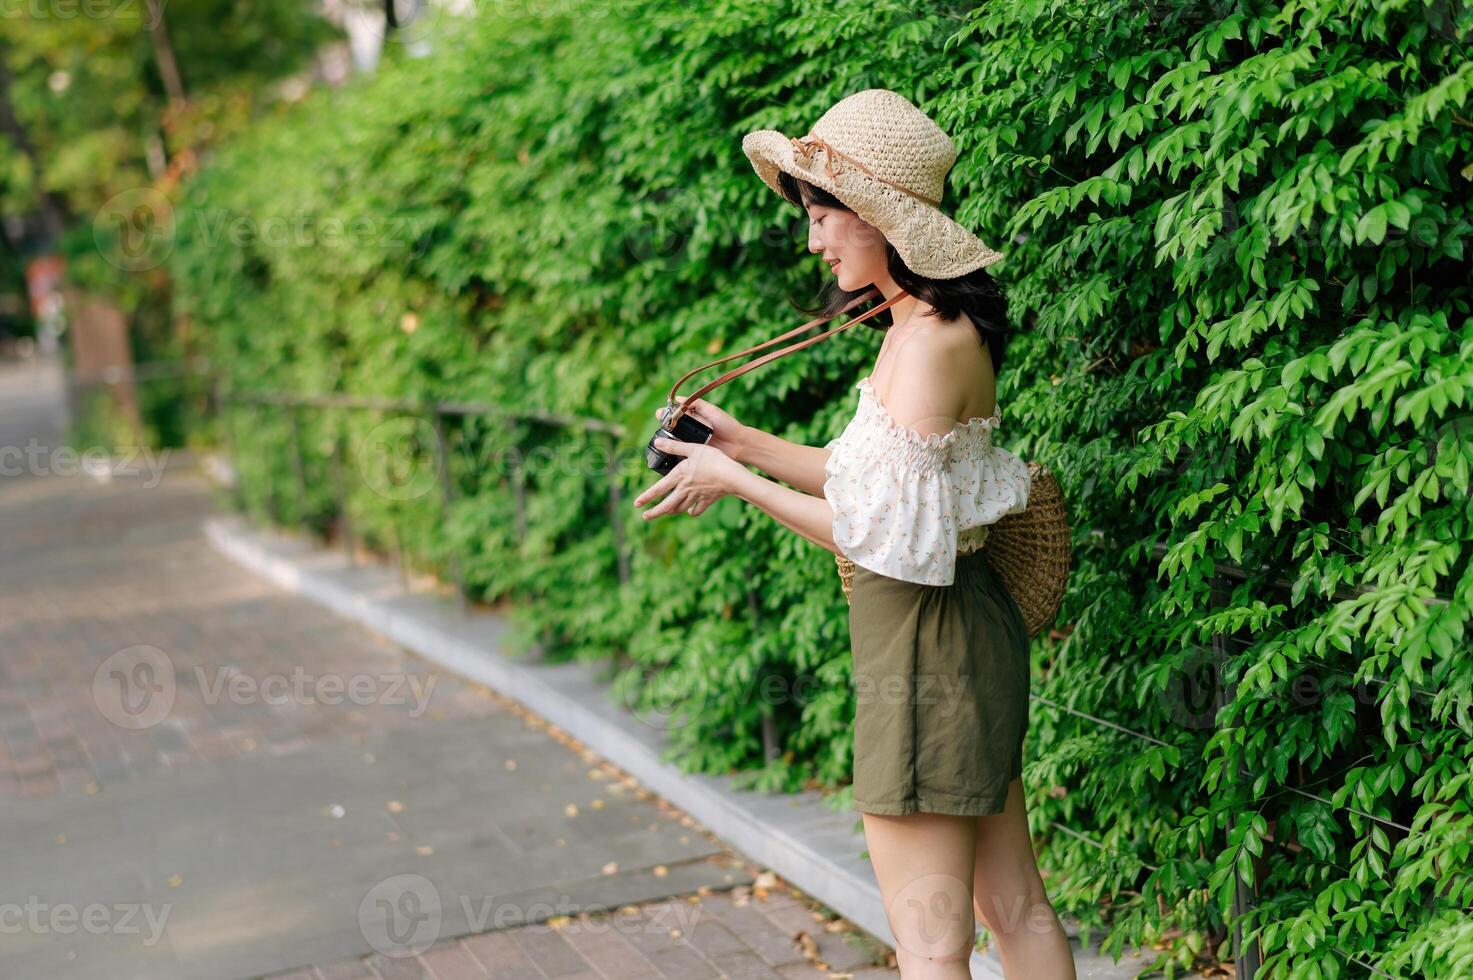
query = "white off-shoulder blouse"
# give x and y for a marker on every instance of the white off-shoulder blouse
(905, 505)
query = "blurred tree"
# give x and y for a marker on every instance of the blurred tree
(163, 53)
(93, 99)
(47, 206)
(106, 105)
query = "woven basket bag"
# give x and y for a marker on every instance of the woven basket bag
(1030, 551)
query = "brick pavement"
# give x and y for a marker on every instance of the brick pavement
(91, 571)
(731, 934)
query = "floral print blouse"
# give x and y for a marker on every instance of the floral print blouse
(905, 505)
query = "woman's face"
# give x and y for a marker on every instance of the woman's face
(843, 237)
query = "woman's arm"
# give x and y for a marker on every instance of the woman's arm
(806, 514)
(708, 474)
(791, 462)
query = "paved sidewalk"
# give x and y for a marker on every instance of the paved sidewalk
(202, 776)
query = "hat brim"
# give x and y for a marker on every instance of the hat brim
(930, 243)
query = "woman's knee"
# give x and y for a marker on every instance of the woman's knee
(930, 915)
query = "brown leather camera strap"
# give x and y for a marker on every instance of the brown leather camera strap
(868, 294)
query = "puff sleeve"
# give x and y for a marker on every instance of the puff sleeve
(902, 501)
(989, 486)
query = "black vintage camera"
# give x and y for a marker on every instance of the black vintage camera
(688, 428)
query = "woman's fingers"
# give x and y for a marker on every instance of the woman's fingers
(675, 501)
(654, 489)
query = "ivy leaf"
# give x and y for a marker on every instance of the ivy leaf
(1372, 228)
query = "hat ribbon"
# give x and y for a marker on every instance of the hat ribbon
(805, 146)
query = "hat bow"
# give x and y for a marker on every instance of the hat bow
(806, 146)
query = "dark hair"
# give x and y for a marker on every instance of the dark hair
(976, 293)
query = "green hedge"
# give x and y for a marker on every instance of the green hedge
(1234, 240)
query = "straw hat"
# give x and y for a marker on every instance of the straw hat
(888, 161)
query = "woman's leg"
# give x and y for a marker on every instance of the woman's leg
(923, 863)
(1009, 898)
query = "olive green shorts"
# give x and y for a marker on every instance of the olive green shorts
(941, 675)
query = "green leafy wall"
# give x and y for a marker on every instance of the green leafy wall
(1235, 251)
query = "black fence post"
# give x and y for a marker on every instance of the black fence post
(772, 748)
(396, 551)
(518, 480)
(616, 510)
(344, 520)
(232, 450)
(447, 499)
(1247, 956)
(299, 468)
(273, 505)
(395, 507)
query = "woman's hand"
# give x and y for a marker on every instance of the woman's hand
(695, 483)
(727, 434)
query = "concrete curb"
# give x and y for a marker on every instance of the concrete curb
(796, 835)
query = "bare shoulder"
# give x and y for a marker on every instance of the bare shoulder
(933, 374)
(942, 354)
(951, 339)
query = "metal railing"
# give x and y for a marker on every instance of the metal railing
(435, 413)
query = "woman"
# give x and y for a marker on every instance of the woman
(906, 492)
